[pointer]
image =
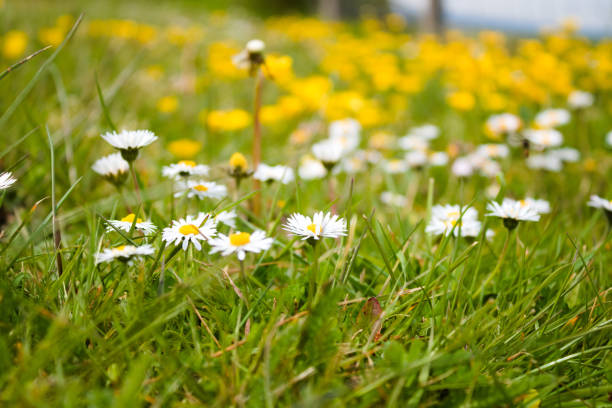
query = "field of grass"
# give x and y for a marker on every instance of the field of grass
(386, 312)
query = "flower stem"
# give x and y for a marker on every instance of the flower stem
(313, 275)
(246, 282)
(135, 179)
(257, 140)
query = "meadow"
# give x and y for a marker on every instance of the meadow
(207, 208)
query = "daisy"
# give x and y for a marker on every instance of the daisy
(184, 168)
(320, 225)
(580, 99)
(438, 158)
(395, 166)
(113, 168)
(354, 164)
(126, 222)
(346, 132)
(600, 202)
(544, 162)
(466, 226)
(329, 152)
(566, 154)
(512, 212)
(413, 142)
(280, 173)
(609, 138)
(493, 150)
(190, 229)
(201, 189)
(128, 142)
(311, 169)
(426, 131)
(544, 138)
(124, 253)
(462, 167)
(241, 243)
(503, 123)
(6, 180)
(416, 158)
(551, 118)
(394, 199)
(540, 206)
(227, 218)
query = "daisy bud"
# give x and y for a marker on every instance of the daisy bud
(238, 166)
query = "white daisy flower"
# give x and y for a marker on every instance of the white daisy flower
(329, 152)
(394, 199)
(566, 154)
(493, 150)
(227, 218)
(462, 167)
(426, 131)
(551, 118)
(512, 211)
(124, 253)
(320, 225)
(190, 229)
(544, 162)
(609, 138)
(6, 180)
(126, 222)
(354, 164)
(543, 138)
(413, 142)
(112, 167)
(311, 169)
(416, 158)
(395, 166)
(438, 158)
(540, 206)
(503, 123)
(241, 243)
(596, 201)
(129, 141)
(185, 168)
(280, 173)
(201, 189)
(346, 132)
(580, 99)
(489, 168)
(445, 217)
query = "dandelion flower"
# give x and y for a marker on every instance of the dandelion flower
(238, 166)
(113, 168)
(126, 223)
(512, 211)
(201, 189)
(190, 229)
(241, 243)
(6, 180)
(320, 225)
(185, 168)
(124, 253)
(251, 57)
(129, 142)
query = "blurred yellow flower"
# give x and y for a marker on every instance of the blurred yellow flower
(238, 163)
(279, 67)
(167, 104)
(311, 90)
(228, 120)
(184, 148)
(220, 61)
(154, 72)
(51, 36)
(14, 44)
(461, 100)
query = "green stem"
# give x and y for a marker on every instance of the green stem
(500, 261)
(135, 179)
(313, 275)
(246, 282)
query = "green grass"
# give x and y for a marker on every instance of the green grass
(400, 318)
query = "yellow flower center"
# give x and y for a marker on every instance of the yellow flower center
(189, 229)
(281, 203)
(454, 214)
(189, 163)
(312, 228)
(240, 238)
(200, 187)
(523, 203)
(130, 218)
(120, 248)
(238, 161)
